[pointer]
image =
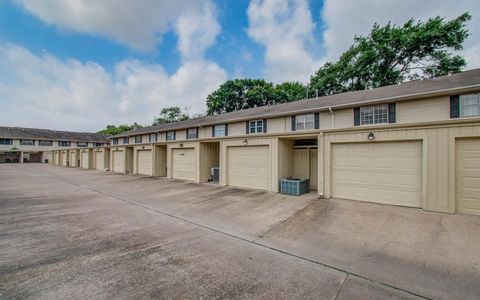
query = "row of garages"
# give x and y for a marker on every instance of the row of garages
(434, 167)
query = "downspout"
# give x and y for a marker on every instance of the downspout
(333, 117)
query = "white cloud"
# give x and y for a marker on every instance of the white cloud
(44, 91)
(285, 28)
(344, 19)
(139, 24)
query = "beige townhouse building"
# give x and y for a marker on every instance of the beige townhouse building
(22, 145)
(415, 144)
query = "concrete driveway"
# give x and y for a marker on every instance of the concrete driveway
(90, 234)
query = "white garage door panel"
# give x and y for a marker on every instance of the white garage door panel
(72, 160)
(249, 167)
(85, 160)
(183, 164)
(145, 162)
(118, 161)
(99, 163)
(64, 159)
(468, 176)
(387, 172)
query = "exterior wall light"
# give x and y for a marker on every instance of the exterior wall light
(245, 142)
(371, 136)
(181, 145)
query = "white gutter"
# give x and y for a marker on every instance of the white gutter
(333, 117)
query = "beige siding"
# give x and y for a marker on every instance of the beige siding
(277, 125)
(343, 118)
(160, 160)
(210, 157)
(236, 129)
(434, 109)
(145, 138)
(285, 161)
(180, 135)
(326, 120)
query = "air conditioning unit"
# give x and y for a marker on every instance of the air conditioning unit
(215, 174)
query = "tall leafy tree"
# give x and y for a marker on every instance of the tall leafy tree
(112, 129)
(240, 94)
(392, 54)
(171, 115)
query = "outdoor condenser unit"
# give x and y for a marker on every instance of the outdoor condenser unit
(215, 173)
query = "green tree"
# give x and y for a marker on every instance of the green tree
(391, 54)
(171, 115)
(113, 130)
(246, 93)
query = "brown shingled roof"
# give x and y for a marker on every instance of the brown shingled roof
(48, 134)
(405, 91)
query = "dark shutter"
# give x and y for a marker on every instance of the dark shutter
(174, 135)
(454, 106)
(226, 129)
(293, 124)
(264, 125)
(247, 127)
(356, 116)
(392, 113)
(197, 133)
(317, 120)
(213, 130)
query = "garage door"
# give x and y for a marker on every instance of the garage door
(99, 162)
(249, 167)
(144, 162)
(85, 160)
(183, 164)
(468, 176)
(118, 161)
(387, 172)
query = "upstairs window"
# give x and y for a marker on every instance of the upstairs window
(115, 141)
(98, 144)
(138, 139)
(305, 122)
(470, 105)
(82, 144)
(192, 133)
(45, 143)
(126, 140)
(27, 142)
(220, 130)
(6, 142)
(256, 126)
(170, 135)
(64, 143)
(152, 138)
(374, 114)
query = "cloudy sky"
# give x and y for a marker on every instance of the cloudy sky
(82, 64)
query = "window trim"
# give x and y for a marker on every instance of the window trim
(22, 144)
(172, 138)
(195, 134)
(5, 139)
(225, 130)
(115, 141)
(150, 140)
(375, 117)
(137, 138)
(461, 105)
(127, 139)
(304, 122)
(256, 126)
